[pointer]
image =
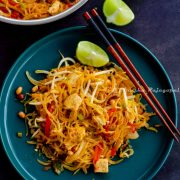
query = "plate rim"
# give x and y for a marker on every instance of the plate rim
(7, 147)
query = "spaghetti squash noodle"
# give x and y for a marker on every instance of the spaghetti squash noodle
(84, 116)
(33, 9)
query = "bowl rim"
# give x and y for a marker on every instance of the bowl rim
(7, 147)
(44, 20)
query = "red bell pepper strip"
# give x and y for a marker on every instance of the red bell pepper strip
(13, 3)
(111, 111)
(4, 10)
(47, 126)
(50, 108)
(15, 15)
(97, 153)
(48, 121)
(106, 127)
(132, 126)
(113, 151)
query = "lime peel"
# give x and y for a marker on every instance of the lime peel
(117, 12)
(91, 54)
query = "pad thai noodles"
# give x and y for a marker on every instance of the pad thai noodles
(84, 116)
(33, 9)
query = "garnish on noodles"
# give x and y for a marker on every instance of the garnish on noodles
(84, 116)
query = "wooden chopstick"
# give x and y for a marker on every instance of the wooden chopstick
(132, 67)
(126, 69)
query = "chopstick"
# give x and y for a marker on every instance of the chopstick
(131, 66)
(114, 53)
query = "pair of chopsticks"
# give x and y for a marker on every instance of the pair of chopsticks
(117, 52)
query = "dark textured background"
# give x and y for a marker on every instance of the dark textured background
(157, 26)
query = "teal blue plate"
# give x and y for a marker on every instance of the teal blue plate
(151, 149)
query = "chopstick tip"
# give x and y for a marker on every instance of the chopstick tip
(87, 15)
(94, 12)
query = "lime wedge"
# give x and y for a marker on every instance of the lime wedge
(117, 12)
(90, 54)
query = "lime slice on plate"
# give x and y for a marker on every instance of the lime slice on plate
(117, 12)
(90, 54)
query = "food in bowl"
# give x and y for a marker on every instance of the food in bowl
(33, 9)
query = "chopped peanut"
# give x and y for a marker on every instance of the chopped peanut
(34, 89)
(19, 90)
(21, 114)
(70, 153)
(112, 102)
(20, 96)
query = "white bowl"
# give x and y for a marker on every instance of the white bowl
(44, 20)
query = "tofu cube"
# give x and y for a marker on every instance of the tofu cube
(54, 9)
(101, 166)
(73, 101)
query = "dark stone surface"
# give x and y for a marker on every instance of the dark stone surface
(157, 26)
